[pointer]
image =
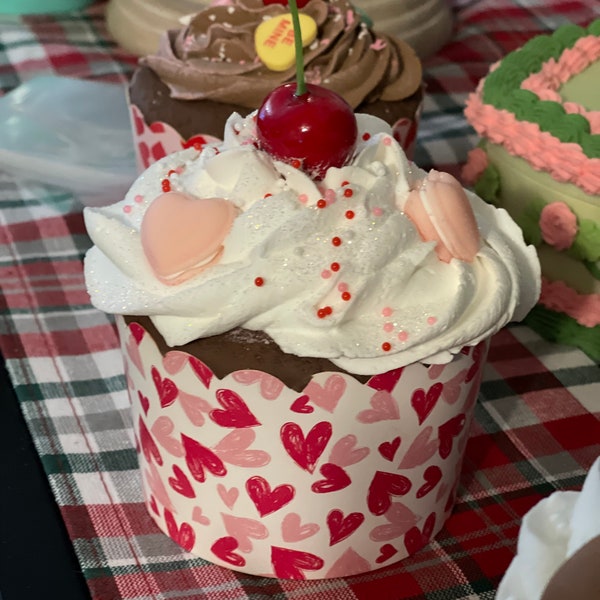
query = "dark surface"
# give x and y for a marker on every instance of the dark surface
(37, 559)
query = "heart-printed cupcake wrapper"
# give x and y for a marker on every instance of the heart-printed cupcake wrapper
(337, 480)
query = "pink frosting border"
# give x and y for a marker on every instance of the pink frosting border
(566, 163)
(547, 82)
(558, 296)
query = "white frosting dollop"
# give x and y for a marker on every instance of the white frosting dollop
(551, 532)
(401, 294)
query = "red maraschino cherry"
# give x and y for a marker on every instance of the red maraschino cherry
(304, 123)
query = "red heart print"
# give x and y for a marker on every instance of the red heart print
(385, 381)
(138, 122)
(234, 449)
(224, 547)
(265, 499)
(154, 506)
(144, 402)
(292, 529)
(383, 408)
(415, 539)
(341, 527)
(183, 535)
(201, 370)
(199, 457)
(229, 496)
(291, 564)
(149, 447)
(235, 412)
(400, 518)
(385, 553)
(420, 451)
(181, 484)
(244, 530)
(388, 449)
(137, 331)
(144, 154)
(166, 388)
(345, 453)
(335, 479)
(300, 405)
(157, 127)
(305, 451)
(383, 485)
(432, 476)
(326, 396)
(424, 402)
(448, 431)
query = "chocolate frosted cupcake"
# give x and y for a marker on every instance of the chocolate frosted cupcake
(183, 94)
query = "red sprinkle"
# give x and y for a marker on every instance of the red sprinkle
(166, 185)
(259, 281)
(335, 266)
(336, 241)
(348, 193)
(324, 312)
(267, 195)
(346, 296)
(366, 136)
(171, 172)
(321, 203)
(198, 146)
(349, 214)
(296, 163)
(345, 183)
(386, 346)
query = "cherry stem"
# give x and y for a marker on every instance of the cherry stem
(300, 82)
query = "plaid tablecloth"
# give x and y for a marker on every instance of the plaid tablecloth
(536, 429)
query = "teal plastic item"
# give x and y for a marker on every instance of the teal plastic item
(70, 133)
(36, 7)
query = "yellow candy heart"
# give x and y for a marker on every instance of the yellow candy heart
(274, 40)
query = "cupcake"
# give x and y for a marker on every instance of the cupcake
(303, 356)
(215, 65)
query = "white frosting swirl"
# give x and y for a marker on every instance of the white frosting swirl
(401, 294)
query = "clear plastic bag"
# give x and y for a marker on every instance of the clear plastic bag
(70, 133)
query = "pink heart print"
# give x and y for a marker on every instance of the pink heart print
(345, 453)
(382, 487)
(400, 518)
(182, 534)
(235, 412)
(234, 449)
(293, 530)
(383, 408)
(415, 539)
(349, 563)
(335, 479)
(421, 450)
(270, 386)
(326, 396)
(224, 547)
(291, 564)
(265, 499)
(229, 496)
(451, 391)
(162, 429)
(198, 517)
(305, 451)
(244, 530)
(133, 351)
(341, 527)
(424, 402)
(181, 484)
(166, 388)
(198, 458)
(194, 407)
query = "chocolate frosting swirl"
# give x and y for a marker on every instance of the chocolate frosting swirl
(214, 57)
